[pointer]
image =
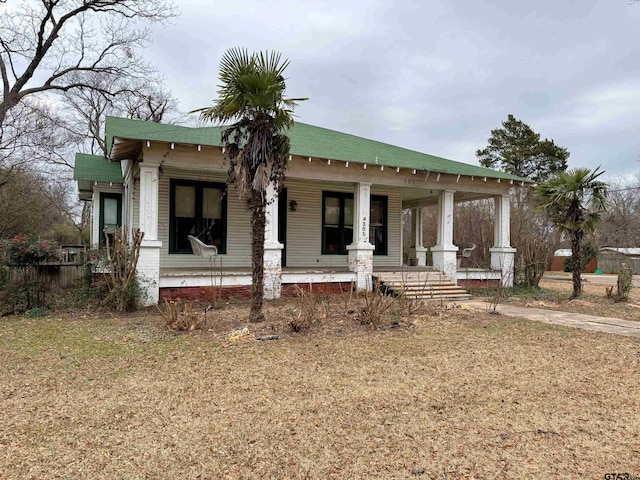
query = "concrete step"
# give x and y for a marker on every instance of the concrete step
(462, 296)
(420, 285)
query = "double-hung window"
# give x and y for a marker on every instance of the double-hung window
(198, 209)
(337, 223)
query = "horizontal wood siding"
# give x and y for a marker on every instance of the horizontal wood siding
(238, 227)
(304, 226)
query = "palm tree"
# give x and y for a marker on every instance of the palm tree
(575, 201)
(256, 144)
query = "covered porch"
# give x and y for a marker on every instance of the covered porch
(338, 217)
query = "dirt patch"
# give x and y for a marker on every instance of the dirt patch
(451, 394)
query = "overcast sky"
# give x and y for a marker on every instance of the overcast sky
(433, 76)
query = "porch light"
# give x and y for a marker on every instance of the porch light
(293, 206)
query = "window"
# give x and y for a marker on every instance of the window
(198, 209)
(110, 215)
(337, 223)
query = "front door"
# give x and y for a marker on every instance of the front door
(282, 223)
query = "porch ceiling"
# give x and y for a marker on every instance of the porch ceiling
(414, 197)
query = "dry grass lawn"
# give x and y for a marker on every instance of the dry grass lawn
(594, 301)
(452, 394)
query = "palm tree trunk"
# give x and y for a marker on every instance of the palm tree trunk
(257, 256)
(576, 261)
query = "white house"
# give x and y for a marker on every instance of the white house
(336, 220)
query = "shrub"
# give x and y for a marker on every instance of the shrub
(625, 282)
(121, 261)
(305, 312)
(21, 250)
(22, 286)
(181, 317)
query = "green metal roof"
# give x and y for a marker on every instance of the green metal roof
(96, 168)
(306, 141)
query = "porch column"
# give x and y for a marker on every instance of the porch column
(502, 254)
(272, 262)
(149, 262)
(361, 251)
(417, 250)
(444, 251)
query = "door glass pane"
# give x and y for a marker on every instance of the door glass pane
(348, 212)
(185, 201)
(110, 211)
(377, 213)
(211, 203)
(331, 211)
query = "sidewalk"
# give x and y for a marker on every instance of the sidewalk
(616, 326)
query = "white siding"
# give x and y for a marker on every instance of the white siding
(304, 226)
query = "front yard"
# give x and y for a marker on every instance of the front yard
(451, 394)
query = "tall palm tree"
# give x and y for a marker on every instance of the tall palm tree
(252, 95)
(575, 201)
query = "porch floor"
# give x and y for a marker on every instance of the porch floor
(206, 270)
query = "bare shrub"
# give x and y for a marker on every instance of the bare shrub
(181, 317)
(375, 312)
(500, 295)
(305, 312)
(122, 261)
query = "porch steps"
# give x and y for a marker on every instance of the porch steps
(420, 285)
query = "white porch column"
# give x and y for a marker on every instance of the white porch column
(417, 250)
(149, 261)
(502, 254)
(95, 220)
(444, 252)
(361, 251)
(272, 262)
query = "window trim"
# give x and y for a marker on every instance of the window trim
(348, 195)
(199, 186)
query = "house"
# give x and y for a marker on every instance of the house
(610, 259)
(561, 256)
(337, 219)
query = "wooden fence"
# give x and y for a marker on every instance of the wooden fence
(65, 275)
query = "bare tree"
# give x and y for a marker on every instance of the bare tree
(50, 45)
(621, 223)
(141, 99)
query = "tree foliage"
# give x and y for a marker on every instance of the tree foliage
(575, 201)
(517, 149)
(252, 95)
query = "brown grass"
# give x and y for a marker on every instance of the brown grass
(594, 300)
(454, 394)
